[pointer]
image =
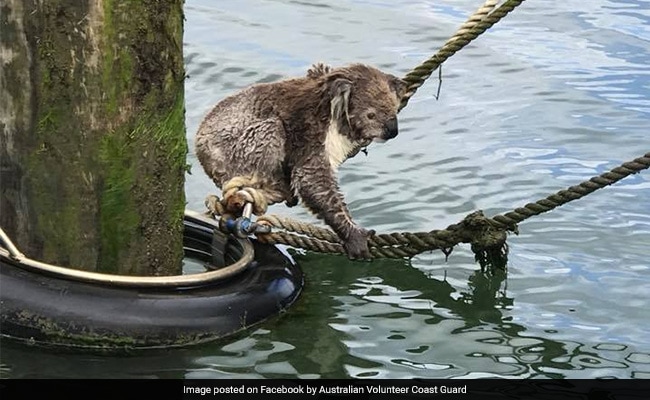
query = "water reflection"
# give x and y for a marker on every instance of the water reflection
(394, 322)
(389, 327)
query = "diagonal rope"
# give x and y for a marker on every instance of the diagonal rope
(576, 192)
(482, 20)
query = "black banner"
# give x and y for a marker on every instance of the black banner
(490, 389)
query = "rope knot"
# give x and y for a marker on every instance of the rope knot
(236, 193)
(487, 240)
(240, 199)
(241, 190)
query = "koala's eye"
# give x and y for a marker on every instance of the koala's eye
(371, 115)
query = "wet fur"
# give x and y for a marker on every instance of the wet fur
(292, 135)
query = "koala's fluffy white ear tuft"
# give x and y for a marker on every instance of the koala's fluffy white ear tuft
(340, 92)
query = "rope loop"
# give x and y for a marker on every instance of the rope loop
(241, 190)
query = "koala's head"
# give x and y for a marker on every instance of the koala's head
(363, 101)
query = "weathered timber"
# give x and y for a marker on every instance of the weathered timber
(92, 137)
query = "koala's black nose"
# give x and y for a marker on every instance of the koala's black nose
(390, 128)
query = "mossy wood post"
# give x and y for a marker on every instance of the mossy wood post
(92, 152)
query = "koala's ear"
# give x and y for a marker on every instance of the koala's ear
(318, 70)
(399, 86)
(339, 90)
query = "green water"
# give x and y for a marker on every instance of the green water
(554, 94)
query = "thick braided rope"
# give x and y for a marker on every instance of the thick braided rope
(390, 245)
(245, 185)
(406, 244)
(479, 22)
(576, 192)
(292, 225)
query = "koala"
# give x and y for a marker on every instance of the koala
(291, 136)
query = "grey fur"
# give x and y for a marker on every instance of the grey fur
(291, 136)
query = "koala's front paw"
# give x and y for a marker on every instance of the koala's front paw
(291, 202)
(356, 245)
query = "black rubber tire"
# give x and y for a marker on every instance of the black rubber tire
(52, 311)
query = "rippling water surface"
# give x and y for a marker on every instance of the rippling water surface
(556, 93)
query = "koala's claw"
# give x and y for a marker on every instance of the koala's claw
(291, 202)
(356, 246)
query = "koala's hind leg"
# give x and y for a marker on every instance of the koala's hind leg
(255, 151)
(318, 189)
